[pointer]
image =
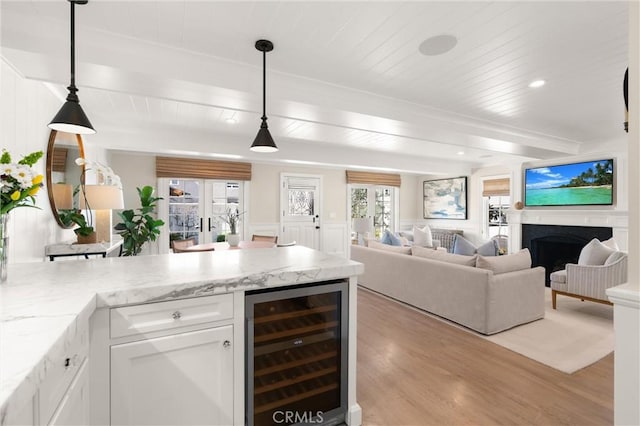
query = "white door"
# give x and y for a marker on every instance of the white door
(184, 379)
(300, 207)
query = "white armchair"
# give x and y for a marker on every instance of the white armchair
(589, 282)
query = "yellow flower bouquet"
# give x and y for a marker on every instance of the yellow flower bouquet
(18, 182)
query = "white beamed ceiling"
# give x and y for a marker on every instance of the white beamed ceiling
(346, 84)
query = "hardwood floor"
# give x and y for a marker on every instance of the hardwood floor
(416, 370)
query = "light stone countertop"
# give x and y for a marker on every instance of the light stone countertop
(42, 305)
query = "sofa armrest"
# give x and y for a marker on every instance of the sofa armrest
(593, 280)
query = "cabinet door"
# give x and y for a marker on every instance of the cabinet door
(74, 407)
(181, 379)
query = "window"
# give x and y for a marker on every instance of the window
(377, 202)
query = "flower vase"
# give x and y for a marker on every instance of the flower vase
(4, 245)
(233, 239)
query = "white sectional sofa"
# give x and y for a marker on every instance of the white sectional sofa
(476, 298)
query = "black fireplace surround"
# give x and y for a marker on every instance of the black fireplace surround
(553, 246)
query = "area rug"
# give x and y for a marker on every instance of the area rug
(572, 337)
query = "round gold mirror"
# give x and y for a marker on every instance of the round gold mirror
(63, 174)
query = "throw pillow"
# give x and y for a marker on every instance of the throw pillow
(594, 253)
(507, 263)
(390, 239)
(422, 237)
(614, 257)
(611, 243)
(443, 256)
(465, 247)
(406, 234)
(386, 247)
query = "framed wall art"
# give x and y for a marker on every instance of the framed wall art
(445, 198)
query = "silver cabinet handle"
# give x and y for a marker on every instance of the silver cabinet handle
(226, 344)
(176, 315)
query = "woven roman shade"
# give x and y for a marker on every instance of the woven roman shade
(369, 178)
(202, 169)
(59, 160)
(495, 187)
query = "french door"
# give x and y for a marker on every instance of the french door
(377, 202)
(300, 206)
(193, 208)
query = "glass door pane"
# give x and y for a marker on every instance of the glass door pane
(184, 209)
(224, 195)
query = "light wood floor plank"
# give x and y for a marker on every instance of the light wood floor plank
(417, 370)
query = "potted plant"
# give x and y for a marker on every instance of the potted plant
(138, 227)
(232, 218)
(85, 232)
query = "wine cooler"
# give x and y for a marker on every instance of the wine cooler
(296, 366)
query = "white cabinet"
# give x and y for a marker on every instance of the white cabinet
(74, 407)
(181, 379)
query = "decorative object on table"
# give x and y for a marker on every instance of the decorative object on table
(362, 226)
(232, 218)
(71, 118)
(445, 198)
(263, 141)
(19, 185)
(139, 227)
(85, 232)
(518, 205)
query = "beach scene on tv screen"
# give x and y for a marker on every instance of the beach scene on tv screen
(588, 183)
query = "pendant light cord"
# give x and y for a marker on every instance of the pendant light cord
(72, 87)
(264, 85)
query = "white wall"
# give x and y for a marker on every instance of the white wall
(26, 107)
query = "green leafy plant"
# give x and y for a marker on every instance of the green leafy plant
(138, 227)
(67, 217)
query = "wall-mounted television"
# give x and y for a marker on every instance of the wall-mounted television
(575, 184)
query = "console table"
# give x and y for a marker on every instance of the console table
(75, 249)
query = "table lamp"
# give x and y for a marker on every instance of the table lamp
(362, 226)
(101, 199)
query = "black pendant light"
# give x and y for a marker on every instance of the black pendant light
(71, 118)
(263, 141)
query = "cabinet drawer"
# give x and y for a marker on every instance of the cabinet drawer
(140, 319)
(64, 364)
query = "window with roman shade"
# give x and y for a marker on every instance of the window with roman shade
(202, 169)
(371, 178)
(496, 187)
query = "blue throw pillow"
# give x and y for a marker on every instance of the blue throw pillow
(465, 247)
(390, 239)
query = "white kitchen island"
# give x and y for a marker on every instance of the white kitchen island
(59, 319)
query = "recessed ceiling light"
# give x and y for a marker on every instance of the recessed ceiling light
(537, 83)
(460, 152)
(231, 120)
(438, 45)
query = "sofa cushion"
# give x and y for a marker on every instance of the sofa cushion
(508, 263)
(390, 239)
(559, 276)
(594, 253)
(443, 256)
(614, 257)
(396, 249)
(465, 247)
(422, 236)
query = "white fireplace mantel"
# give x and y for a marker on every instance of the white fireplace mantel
(616, 219)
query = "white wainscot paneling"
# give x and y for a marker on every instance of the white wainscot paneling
(335, 239)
